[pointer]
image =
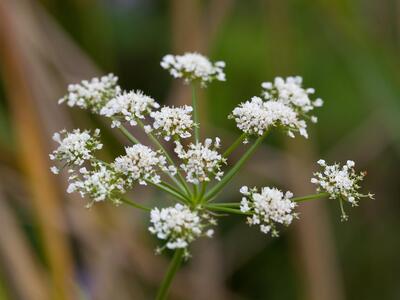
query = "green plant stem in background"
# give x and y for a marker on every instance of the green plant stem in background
(310, 197)
(220, 185)
(195, 114)
(173, 267)
(134, 204)
(235, 144)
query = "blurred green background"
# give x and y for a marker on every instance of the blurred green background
(51, 247)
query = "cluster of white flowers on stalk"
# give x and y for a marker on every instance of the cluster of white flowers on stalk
(99, 184)
(92, 94)
(75, 147)
(284, 104)
(290, 92)
(129, 106)
(175, 122)
(340, 182)
(200, 161)
(267, 207)
(256, 116)
(179, 225)
(193, 66)
(140, 164)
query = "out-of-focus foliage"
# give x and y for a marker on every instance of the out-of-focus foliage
(347, 50)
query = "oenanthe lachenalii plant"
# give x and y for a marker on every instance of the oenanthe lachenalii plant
(196, 172)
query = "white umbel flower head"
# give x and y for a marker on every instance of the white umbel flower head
(129, 106)
(192, 67)
(290, 92)
(93, 94)
(340, 182)
(140, 164)
(75, 147)
(178, 226)
(201, 161)
(268, 207)
(100, 184)
(256, 116)
(175, 122)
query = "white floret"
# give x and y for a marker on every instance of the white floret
(129, 107)
(256, 116)
(178, 226)
(193, 66)
(173, 122)
(99, 185)
(140, 164)
(75, 147)
(93, 94)
(201, 161)
(268, 207)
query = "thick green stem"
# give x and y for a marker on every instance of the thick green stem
(169, 276)
(310, 197)
(232, 172)
(195, 114)
(235, 144)
(134, 204)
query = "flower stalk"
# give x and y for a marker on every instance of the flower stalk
(232, 172)
(310, 197)
(235, 144)
(172, 269)
(195, 114)
(134, 204)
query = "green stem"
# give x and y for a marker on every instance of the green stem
(227, 204)
(165, 188)
(310, 197)
(235, 144)
(181, 183)
(169, 276)
(195, 193)
(202, 191)
(128, 135)
(232, 172)
(195, 114)
(226, 209)
(182, 198)
(134, 204)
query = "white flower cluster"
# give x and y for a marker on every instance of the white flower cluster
(92, 94)
(193, 66)
(200, 161)
(75, 147)
(290, 92)
(173, 122)
(340, 182)
(268, 207)
(99, 184)
(256, 116)
(179, 225)
(140, 163)
(129, 106)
